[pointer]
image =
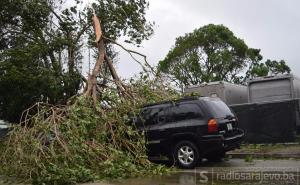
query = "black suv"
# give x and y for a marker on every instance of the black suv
(190, 129)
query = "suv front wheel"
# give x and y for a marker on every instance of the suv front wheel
(186, 154)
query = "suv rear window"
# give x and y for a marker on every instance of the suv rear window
(218, 108)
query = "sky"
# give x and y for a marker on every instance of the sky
(270, 25)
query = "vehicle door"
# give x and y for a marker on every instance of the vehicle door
(154, 118)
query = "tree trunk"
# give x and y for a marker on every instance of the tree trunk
(122, 89)
(92, 78)
(92, 87)
(71, 54)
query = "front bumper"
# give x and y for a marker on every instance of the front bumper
(226, 142)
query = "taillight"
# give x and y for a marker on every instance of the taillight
(212, 126)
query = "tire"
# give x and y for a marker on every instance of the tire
(216, 157)
(186, 155)
(171, 161)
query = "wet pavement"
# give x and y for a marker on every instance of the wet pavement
(226, 172)
(230, 172)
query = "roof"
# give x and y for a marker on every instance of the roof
(187, 98)
(213, 83)
(270, 78)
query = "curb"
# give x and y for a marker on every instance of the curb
(268, 144)
(264, 155)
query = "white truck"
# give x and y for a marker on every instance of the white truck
(230, 93)
(276, 88)
(273, 88)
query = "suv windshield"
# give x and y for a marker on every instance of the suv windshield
(218, 108)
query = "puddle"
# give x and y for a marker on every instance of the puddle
(231, 172)
(199, 178)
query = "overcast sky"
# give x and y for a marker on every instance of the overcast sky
(271, 25)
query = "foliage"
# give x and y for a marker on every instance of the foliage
(124, 18)
(210, 53)
(248, 159)
(270, 67)
(42, 41)
(23, 81)
(78, 143)
(214, 53)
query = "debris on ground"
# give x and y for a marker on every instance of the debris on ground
(90, 138)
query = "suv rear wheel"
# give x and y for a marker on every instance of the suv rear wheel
(186, 154)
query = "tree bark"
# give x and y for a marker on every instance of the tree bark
(92, 78)
(120, 86)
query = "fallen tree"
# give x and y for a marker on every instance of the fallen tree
(89, 139)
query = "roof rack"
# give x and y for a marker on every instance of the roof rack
(185, 98)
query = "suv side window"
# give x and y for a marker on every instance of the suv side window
(185, 111)
(153, 116)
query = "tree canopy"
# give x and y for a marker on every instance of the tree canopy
(211, 53)
(42, 43)
(270, 67)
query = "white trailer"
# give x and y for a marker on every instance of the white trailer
(273, 88)
(230, 93)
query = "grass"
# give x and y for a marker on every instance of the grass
(259, 148)
(249, 159)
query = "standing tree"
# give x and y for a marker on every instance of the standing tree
(270, 67)
(210, 53)
(42, 42)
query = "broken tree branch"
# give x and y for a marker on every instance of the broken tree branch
(92, 78)
(121, 87)
(131, 52)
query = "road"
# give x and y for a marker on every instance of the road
(227, 172)
(230, 172)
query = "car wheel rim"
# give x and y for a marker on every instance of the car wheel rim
(186, 155)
